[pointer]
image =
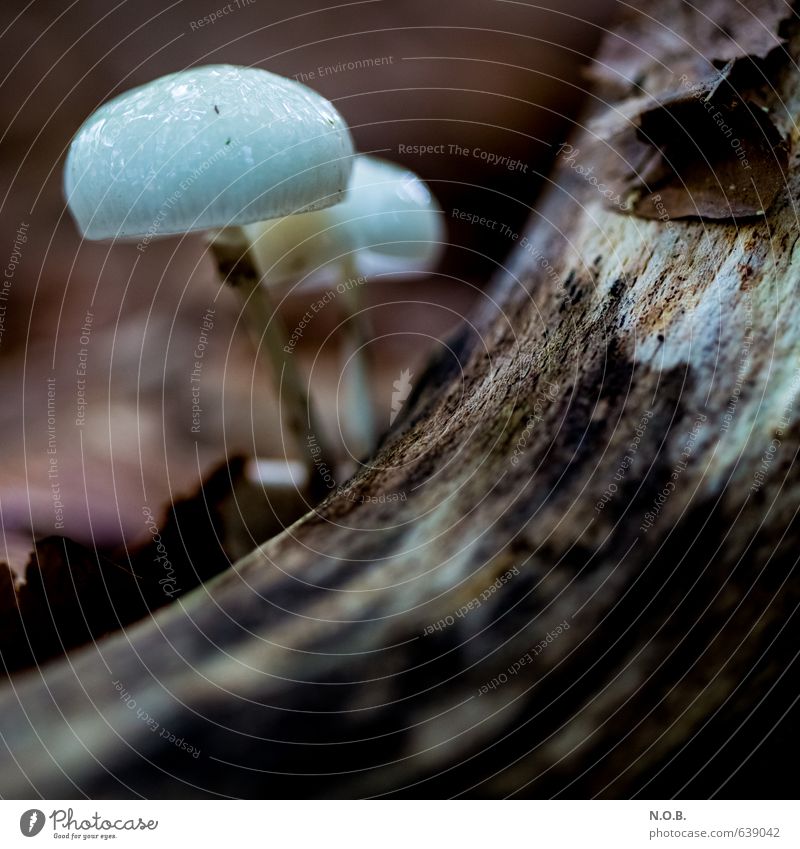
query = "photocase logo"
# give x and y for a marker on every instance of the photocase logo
(402, 390)
(31, 822)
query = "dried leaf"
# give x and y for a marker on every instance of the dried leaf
(704, 151)
(73, 594)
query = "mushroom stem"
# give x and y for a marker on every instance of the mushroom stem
(360, 416)
(269, 337)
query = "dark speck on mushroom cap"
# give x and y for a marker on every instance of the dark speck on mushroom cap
(156, 160)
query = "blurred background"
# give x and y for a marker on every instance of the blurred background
(497, 78)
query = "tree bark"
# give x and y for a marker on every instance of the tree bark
(570, 568)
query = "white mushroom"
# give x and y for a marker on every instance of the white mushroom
(389, 223)
(210, 148)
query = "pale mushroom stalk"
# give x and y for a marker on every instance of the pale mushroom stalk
(212, 149)
(363, 431)
(389, 223)
(264, 325)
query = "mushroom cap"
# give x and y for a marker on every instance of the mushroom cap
(209, 147)
(388, 222)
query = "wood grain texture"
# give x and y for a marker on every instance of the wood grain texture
(609, 444)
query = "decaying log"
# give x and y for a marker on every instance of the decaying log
(570, 568)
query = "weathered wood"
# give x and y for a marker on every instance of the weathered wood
(605, 458)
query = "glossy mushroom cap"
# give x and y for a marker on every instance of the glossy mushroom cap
(389, 222)
(210, 147)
